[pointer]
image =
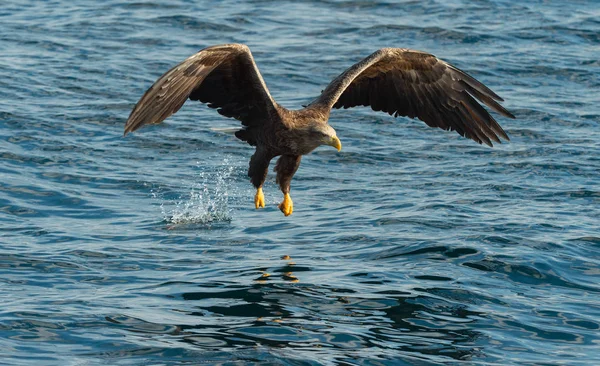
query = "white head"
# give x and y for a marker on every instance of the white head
(325, 135)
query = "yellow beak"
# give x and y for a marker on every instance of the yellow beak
(335, 142)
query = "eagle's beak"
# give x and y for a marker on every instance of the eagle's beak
(335, 142)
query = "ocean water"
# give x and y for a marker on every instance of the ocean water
(412, 246)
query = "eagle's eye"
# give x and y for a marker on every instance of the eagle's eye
(316, 133)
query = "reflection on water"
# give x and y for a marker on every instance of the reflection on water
(332, 321)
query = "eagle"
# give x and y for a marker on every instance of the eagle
(398, 81)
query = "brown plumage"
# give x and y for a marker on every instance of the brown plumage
(398, 81)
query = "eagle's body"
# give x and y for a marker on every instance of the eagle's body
(397, 81)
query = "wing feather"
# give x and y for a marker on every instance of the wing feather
(225, 77)
(416, 84)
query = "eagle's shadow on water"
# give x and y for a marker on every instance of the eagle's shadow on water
(404, 323)
(279, 313)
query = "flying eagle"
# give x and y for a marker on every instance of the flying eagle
(398, 81)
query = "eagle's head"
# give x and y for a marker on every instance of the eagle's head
(324, 134)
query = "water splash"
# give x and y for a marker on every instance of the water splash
(207, 201)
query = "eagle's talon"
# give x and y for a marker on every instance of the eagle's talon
(259, 199)
(287, 206)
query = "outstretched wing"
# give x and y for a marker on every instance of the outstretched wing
(416, 84)
(224, 76)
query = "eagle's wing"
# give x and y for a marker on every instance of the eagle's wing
(224, 76)
(417, 84)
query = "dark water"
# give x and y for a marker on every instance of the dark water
(412, 246)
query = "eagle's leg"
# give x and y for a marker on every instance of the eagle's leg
(259, 198)
(285, 168)
(259, 167)
(286, 206)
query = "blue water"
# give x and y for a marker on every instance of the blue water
(412, 246)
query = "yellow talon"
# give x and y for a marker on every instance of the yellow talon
(259, 198)
(287, 206)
